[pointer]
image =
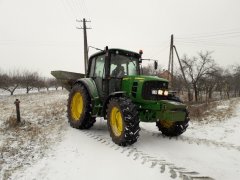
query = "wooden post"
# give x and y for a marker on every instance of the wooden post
(17, 102)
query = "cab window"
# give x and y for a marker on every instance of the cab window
(123, 65)
(99, 67)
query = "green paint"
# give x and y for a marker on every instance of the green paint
(153, 110)
(92, 90)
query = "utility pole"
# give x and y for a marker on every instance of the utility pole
(184, 77)
(170, 67)
(85, 42)
(170, 63)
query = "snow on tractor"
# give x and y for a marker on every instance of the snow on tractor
(114, 88)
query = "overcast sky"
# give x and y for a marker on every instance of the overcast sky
(41, 35)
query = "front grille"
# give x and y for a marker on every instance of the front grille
(134, 89)
(148, 86)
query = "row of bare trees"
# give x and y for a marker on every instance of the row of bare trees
(27, 80)
(206, 80)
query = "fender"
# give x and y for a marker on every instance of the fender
(90, 85)
(114, 94)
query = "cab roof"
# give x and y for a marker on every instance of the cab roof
(121, 51)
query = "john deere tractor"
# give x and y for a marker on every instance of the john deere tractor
(114, 88)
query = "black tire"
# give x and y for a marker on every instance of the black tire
(175, 129)
(130, 121)
(82, 120)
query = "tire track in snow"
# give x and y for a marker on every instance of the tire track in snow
(197, 141)
(146, 159)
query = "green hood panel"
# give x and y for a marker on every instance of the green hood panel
(144, 78)
(151, 110)
(133, 85)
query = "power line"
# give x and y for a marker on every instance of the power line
(216, 37)
(39, 43)
(73, 8)
(85, 7)
(79, 8)
(236, 30)
(70, 13)
(210, 39)
(163, 47)
(207, 43)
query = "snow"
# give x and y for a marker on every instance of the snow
(207, 150)
(82, 157)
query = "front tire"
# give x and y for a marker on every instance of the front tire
(123, 121)
(79, 108)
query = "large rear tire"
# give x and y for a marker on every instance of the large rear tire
(123, 121)
(173, 128)
(79, 108)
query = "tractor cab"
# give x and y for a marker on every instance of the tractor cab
(107, 69)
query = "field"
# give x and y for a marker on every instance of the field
(44, 146)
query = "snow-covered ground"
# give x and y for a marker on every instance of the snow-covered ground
(46, 147)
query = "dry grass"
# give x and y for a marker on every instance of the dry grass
(11, 122)
(24, 143)
(17, 147)
(212, 111)
(198, 111)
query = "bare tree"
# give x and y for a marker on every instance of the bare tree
(197, 68)
(29, 80)
(178, 83)
(236, 82)
(40, 83)
(55, 83)
(47, 83)
(10, 81)
(210, 82)
(149, 70)
(227, 80)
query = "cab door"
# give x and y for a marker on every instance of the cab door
(97, 73)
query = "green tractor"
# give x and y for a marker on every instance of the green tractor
(114, 88)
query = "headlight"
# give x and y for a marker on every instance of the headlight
(154, 92)
(165, 93)
(160, 92)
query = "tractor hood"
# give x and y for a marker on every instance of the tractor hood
(140, 87)
(143, 78)
(150, 93)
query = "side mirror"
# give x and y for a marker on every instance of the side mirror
(155, 65)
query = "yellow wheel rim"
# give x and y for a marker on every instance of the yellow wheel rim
(166, 124)
(116, 121)
(77, 106)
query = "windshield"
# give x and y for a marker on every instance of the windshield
(123, 65)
